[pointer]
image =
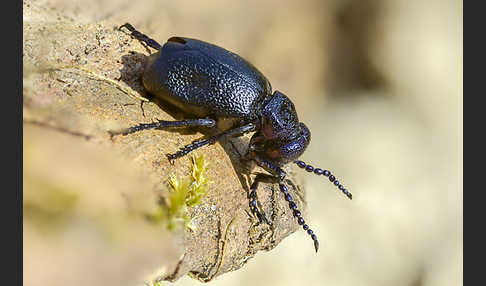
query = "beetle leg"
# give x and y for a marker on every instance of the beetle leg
(238, 131)
(141, 37)
(168, 124)
(270, 167)
(253, 197)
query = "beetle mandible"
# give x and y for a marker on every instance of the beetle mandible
(215, 84)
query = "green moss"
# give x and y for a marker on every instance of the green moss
(155, 283)
(184, 193)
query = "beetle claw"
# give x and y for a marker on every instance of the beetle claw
(171, 159)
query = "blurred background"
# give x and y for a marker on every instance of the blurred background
(379, 84)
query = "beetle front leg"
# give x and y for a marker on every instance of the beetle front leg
(270, 167)
(260, 177)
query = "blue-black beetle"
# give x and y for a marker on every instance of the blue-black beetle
(217, 85)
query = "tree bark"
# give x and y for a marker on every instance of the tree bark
(87, 195)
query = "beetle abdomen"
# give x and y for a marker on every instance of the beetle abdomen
(204, 79)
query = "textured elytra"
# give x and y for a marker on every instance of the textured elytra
(203, 79)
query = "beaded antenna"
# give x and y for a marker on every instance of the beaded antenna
(293, 206)
(327, 173)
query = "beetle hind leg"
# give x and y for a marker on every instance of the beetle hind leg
(141, 37)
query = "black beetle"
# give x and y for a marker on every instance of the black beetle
(216, 85)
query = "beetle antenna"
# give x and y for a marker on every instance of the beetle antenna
(319, 171)
(298, 215)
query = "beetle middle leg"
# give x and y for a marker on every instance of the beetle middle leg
(238, 131)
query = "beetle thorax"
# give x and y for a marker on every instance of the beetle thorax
(282, 138)
(279, 118)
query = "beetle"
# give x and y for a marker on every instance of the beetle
(216, 85)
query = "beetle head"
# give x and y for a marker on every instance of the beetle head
(281, 137)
